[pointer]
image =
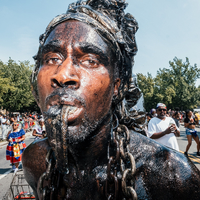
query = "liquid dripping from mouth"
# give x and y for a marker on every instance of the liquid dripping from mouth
(63, 163)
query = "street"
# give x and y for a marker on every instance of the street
(6, 174)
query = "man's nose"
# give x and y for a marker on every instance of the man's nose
(66, 76)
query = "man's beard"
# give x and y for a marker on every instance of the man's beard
(162, 116)
(54, 122)
(61, 139)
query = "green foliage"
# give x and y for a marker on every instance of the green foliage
(15, 88)
(174, 86)
(147, 86)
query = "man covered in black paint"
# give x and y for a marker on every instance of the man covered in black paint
(82, 83)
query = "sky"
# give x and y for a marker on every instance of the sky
(167, 29)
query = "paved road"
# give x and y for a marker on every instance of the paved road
(6, 174)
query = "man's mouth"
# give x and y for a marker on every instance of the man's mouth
(73, 111)
(74, 105)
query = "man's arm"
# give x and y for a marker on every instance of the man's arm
(161, 134)
(177, 133)
(152, 131)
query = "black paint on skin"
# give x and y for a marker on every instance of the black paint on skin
(101, 87)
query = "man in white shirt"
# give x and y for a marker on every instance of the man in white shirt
(163, 129)
(4, 128)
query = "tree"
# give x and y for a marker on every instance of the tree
(174, 86)
(147, 86)
(183, 77)
(18, 95)
(5, 85)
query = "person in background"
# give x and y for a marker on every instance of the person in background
(176, 118)
(189, 124)
(15, 146)
(148, 116)
(39, 130)
(153, 113)
(197, 118)
(18, 118)
(26, 124)
(4, 127)
(163, 129)
(12, 119)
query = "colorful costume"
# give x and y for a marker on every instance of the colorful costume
(12, 152)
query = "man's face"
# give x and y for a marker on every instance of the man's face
(75, 71)
(161, 112)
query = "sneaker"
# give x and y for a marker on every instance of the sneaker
(198, 153)
(186, 153)
(15, 170)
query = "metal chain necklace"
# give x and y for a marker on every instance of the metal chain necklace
(120, 166)
(123, 162)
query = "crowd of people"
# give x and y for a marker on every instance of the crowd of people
(163, 126)
(14, 128)
(25, 121)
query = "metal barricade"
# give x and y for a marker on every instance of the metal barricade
(19, 188)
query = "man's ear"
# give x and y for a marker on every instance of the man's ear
(116, 86)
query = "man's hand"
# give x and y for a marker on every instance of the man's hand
(173, 128)
(168, 130)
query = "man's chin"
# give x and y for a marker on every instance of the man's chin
(77, 134)
(161, 116)
(71, 134)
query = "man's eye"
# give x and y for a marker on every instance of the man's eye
(90, 63)
(52, 60)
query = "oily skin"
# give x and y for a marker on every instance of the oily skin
(78, 64)
(76, 59)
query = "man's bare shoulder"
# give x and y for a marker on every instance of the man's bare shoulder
(33, 161)
(156, 163)
(147, 149)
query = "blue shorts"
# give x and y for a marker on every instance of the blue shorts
(192, 132)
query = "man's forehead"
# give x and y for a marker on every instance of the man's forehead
(75, 32)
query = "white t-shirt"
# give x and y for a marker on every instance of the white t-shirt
(3, 121)
(157, 125)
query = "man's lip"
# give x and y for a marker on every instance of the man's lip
(74, 114)
(74, 104)
(57, 100)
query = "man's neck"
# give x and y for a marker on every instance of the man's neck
(161, 117)
(93, 150)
